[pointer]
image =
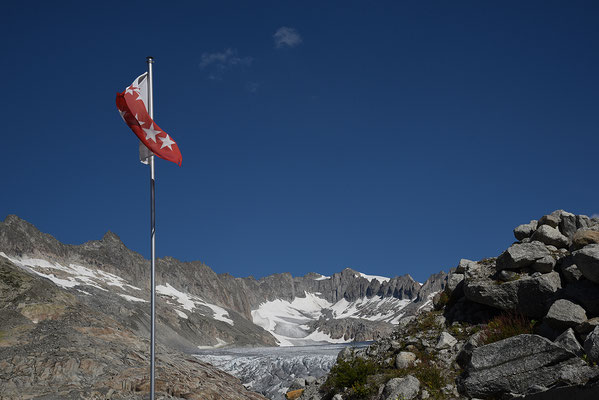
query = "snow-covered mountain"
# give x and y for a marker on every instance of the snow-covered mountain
(199, 308)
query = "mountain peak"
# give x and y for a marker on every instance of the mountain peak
(110, 236)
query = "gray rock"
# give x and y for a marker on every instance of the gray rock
(568, 341)
(591, 345)
(474, 341)
(298, 383)
(402, 388)
(506, 275)
(445, 341)
(587, 260)
(404, 359)
(571, 273)
(515, 364)
(337, 397)
(530, 296)
(567, 225)
(521, 255)
(550, 236)
(525, 230)
(310, 380)
(453, 280)
(463, 265)
(544, 265)
(551, 220)
(583, 222)
(564, 314)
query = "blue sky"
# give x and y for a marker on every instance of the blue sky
(391, 137)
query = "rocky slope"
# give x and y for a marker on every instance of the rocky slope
(522, 325)
(197, 307)
(55, 346)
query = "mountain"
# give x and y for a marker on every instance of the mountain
(198, 308)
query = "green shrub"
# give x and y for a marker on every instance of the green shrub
(506, 325)
(352, 374)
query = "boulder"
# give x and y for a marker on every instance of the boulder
(445, 341)
(528, 295)
(402, 388)
(571, 273)
(564, 314)
(567, 225)
(551, 220)
(550, 236)
(521, 255)
(525, 230)
(583, 222)
(587, 261)
(544, 265)
(463, 357)
(463, 265)
(584, 237)
(591, 345)
(404, 359)
(515, 364)
(568, 341)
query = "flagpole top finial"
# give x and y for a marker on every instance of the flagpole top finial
(150, 59)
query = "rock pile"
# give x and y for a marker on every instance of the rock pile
(522, 325)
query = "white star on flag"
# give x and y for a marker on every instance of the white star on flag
(151, 133)
(138, 120)
(132, 89)
(166, 142)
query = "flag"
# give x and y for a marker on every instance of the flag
(133, 109)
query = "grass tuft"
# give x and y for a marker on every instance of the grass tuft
(506, 325)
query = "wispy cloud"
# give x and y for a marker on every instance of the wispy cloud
(285, 36)
(252, 87)
(219, 62)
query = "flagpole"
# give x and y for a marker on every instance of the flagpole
(150, 61)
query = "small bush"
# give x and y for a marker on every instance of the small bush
(352, 374)
(444, 298)
(506, 325)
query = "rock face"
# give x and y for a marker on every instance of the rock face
(538, 362)
(54, 345)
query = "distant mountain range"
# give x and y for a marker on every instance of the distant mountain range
(197, 308)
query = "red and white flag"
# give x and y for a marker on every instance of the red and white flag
(133, 109)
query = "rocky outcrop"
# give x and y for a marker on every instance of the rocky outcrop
(523, 325)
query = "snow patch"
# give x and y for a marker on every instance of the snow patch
(372, 277)
(131, 298)
(219, 343)
(189, 302)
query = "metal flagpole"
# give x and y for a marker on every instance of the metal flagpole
(150, 61)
